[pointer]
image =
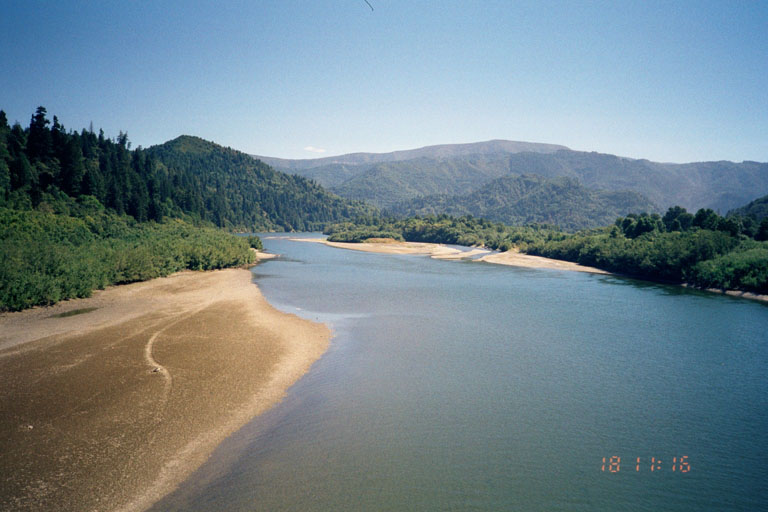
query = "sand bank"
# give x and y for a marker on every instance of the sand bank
(518, 259)
(439, 251)
(108, 403)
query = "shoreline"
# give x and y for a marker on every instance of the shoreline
(110, 402)
(442, 252)
(511, 258)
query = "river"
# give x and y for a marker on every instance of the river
(471, 386)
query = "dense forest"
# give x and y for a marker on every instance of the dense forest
(528, 199)
(235, 191)
(757, 209)
(703, 249)
(79, 211)
(184, 177)
(78, 246)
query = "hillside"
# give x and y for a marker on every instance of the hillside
(716, 185)
(388, 183)
(233, 190)
(527, 199)
(757, 209)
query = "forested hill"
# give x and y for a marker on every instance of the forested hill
(520, 200)
(757, 209)
(233, 190)
(186, 177)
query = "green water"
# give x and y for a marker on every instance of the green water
(470, 386)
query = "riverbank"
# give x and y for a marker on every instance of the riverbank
(108, 403)
(512, 258)
(439, 251)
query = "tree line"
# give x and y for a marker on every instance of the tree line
(703, 249)
(184, 177)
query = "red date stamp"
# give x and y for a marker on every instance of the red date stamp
(678, 464)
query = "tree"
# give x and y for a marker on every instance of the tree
(39, 142)
(677, 218)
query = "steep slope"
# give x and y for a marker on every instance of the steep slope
(387, 183)
(716, 185)
(233, 190)
(757, 209)
(533, 199)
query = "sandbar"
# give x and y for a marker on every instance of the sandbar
(515, 258)
(108, 403)
(438, 251)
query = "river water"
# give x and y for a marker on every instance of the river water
(471, 386)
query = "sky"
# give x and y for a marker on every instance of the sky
(671, 81)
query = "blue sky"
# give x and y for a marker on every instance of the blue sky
(667, 81)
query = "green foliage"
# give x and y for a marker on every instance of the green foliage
(531, 199)
(757, 209)
(745, 269)
(254, 242)
(187, 177)
(444, 229)
(639, 245)
(48, 257)
(237, 192)
(361, 235)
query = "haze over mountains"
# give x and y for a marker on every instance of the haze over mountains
(448, 178)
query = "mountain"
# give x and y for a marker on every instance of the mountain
(757, 209)
(439, 151)
(387, 183)
(233, 190)
(716, 185)
(527, 199)
(391, 178)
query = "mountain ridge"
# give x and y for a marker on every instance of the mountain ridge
(432, 151)
(720, 185)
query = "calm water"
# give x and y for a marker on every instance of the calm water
(469, 386)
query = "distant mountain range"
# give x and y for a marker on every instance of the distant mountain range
(391, 180)
(439, 151)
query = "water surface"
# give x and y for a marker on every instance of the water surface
(470, 386)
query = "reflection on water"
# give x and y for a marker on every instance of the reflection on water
(466, 386)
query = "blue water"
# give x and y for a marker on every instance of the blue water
(470, 386)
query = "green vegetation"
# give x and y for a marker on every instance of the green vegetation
(79, 212)
(528, 199)
(234, 191)
(444, 229)
(48, 256)
(187, 177)
(757, 209)
(705, 249)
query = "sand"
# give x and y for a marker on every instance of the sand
(111, 408)
(518, 259)
(439, 251)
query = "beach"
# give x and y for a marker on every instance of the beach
(108, 403)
